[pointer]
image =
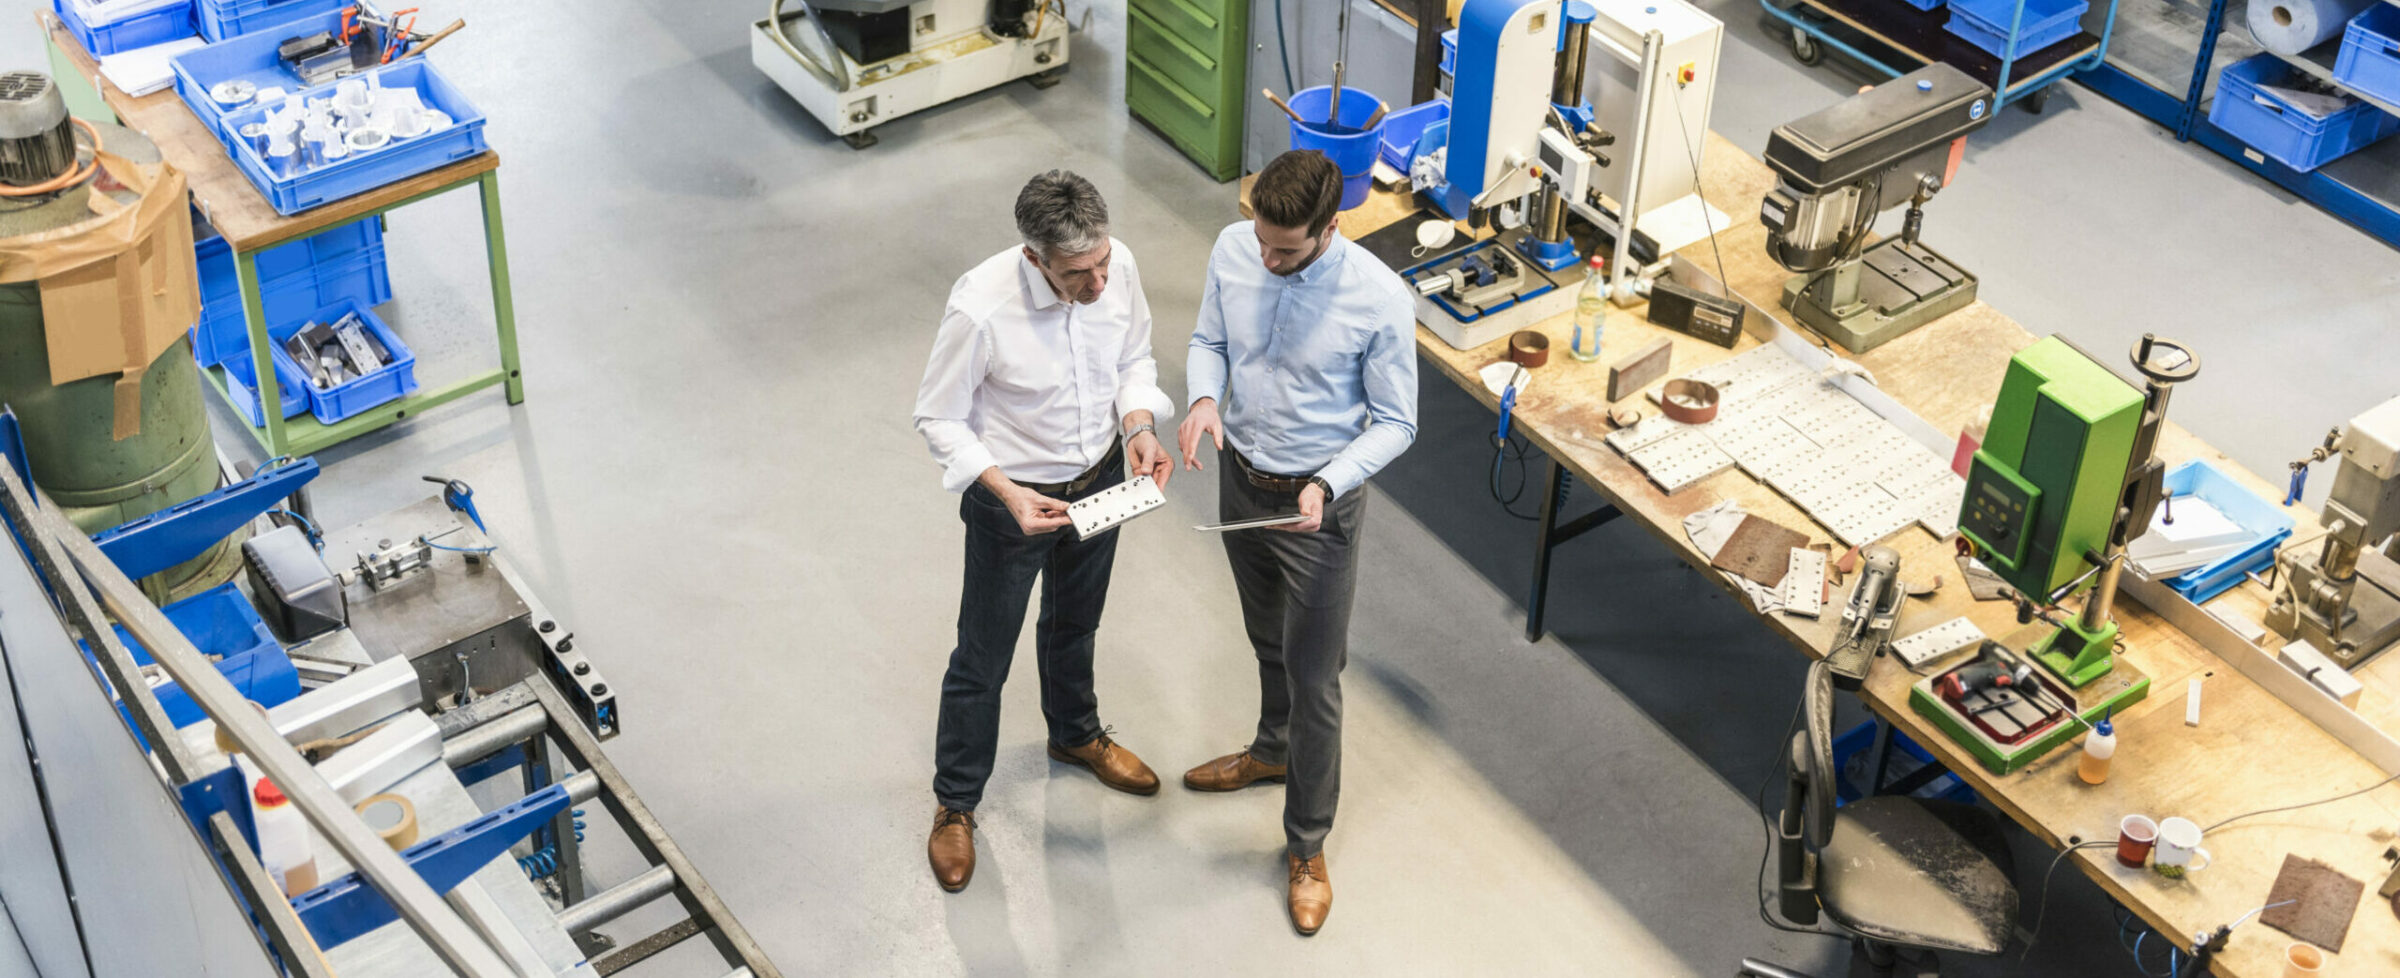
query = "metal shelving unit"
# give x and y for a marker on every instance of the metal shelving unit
(2167, 71)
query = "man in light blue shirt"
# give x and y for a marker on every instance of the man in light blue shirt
(1309, 342)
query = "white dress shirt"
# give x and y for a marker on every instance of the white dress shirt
(1029, 382)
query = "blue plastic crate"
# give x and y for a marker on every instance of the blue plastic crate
(1851, 747)
(221, 622)
(250, 58)
(292, 392)
(1924, 4)
(139, 31)
(2370, 60)
(1984, 23)
(397, 379)
(2276, 128)
(1450, 51)
(295, 279)
(2245, 509)
(221, 19)
(362, 172)
(1401, 129)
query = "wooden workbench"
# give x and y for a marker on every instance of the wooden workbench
(234, 206)
(2250, 751)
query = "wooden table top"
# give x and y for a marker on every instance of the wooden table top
(231, 202)
(2250, 751)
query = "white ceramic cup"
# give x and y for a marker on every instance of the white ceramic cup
(1431, 235)
(2302, 960)
(2178, 849)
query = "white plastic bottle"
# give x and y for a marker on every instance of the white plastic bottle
(2098, 748)
(283, 839)
(1591, 305)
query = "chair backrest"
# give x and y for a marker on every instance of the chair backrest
(1817, 728)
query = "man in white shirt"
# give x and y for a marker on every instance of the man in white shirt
(1042, 358)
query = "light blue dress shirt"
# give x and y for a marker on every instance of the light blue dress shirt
(1314, 372)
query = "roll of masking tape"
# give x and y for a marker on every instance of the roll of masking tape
(392, 817)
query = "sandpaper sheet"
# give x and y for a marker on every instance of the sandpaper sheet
(1760, 550)
(2327, 898)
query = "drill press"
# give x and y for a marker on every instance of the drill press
(2067, 476)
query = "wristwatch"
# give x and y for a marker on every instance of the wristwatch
(1319, 482)
(1137, 431)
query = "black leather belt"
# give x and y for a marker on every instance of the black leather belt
(1268, 481)
(1115, 459)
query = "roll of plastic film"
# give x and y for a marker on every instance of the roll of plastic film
(2293, 26)
(392, 817)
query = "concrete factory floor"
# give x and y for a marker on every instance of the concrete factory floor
(724, 312)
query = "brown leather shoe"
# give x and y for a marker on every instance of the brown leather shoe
(1312, 892)
(1231, 772)
(952, 848)
(1115, 766)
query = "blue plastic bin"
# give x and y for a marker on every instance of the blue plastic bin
(1923, 4)
(250, 58)
(2245, 509)
(1353, 148)
(221, 19)
(397, 379)
(1401, 129)
(2370, 60)
(1984, 23)
(1450, 51)
(1857, 741)
(139, 31)
(220, 622)
(295, 279)
(293, 394)
(402, 159)
(2274, 127)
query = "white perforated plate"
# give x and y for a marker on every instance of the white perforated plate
(1681, 459)
(1105, 510)
(1938, 641)
(1804, 583)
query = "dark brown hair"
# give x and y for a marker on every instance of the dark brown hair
(1299, 189)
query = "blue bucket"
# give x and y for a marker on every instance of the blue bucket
(1353, 149)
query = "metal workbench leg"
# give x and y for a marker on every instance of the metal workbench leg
(262, 355)
(1537, 600)
(504, 308)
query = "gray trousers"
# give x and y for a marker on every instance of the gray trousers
(1296, 590)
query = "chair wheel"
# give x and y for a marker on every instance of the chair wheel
(1805, 49)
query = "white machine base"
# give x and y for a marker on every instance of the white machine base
(923, 78)
(1467, 336)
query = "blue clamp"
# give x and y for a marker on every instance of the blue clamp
(349, 907)
(181, 532)
(1508, 406)
(460, 497)
(1579, 116)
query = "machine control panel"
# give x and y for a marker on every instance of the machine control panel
(1999, 511)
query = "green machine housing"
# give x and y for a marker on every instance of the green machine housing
(2044, 488)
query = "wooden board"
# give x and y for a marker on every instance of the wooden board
(2250, 751)
(231, 202)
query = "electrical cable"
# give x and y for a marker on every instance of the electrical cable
(2035, 935)
(2305, 804)
(1283, 50)
(458, 550)
(73, 176)
(308, 527)
(1510, 449)
(1692, 153)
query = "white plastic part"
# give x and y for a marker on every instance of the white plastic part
(2191, 703)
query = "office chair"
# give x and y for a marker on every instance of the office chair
(1897, 872)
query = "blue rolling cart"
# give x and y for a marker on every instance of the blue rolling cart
(1895, 36)
(2170, 76)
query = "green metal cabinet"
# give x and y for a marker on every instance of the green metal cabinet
(1185, 62)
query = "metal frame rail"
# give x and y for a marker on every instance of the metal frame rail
(2006, 88)
(2354, 189)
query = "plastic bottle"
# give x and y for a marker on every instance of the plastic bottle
(2098, 748)
(1591, 305)
(283, 839)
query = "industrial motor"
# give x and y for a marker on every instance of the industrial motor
(37, 142)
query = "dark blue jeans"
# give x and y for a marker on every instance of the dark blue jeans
(1002, 563)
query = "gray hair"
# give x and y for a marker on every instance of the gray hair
(1060, 213)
